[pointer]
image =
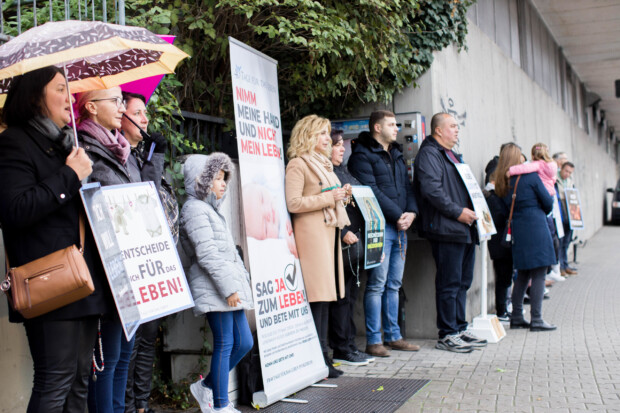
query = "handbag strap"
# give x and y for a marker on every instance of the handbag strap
(81, 248)
(514, 196)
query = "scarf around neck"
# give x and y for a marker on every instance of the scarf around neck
(63, 138)
(324, 170)
(115, 143)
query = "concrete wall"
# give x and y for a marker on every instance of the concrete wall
(495, 101)
(15, 360)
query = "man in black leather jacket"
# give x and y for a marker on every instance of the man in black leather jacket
(447, 220)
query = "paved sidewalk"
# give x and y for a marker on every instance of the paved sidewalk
(573, 369)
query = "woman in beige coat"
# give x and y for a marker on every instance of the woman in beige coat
(315, 198)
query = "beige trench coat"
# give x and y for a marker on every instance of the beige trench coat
(315, 240)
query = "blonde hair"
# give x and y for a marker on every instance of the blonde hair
(540, 152)
(305, 136)
(509, 156)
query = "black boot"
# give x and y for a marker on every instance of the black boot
(333, 371)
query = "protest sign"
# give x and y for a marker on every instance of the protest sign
(374, 225)
(138, 252)
(485, 224)
(573, 206)
(557, 217)
(290, 352)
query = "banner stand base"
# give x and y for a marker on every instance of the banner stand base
(487, 327)
(298, 401)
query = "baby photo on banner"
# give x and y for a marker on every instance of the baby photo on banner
(290, 353)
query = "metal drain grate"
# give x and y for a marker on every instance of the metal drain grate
(353, 395)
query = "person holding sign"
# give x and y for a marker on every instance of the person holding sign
(134, 125)
(377, 161)
(448, 222)
(341, 325)
(315, 198)
(218, 280)
(532, 246)
(565, 182)
(40, 210)
(100, 114)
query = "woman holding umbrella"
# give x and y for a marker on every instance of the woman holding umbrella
(40, 211)
(100, 115)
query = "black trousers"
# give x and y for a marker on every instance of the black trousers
(342, 329)
(320, 314)
(140, 371)
(503, 281)
(537, 292)
(455, 273)
(62, 353)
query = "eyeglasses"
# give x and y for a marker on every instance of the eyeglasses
(118, 100)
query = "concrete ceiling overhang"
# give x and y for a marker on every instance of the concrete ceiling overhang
(588, 31)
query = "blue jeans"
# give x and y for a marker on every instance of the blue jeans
(107, 394)
(455, 272)
(381, 295)
(564, 244)
(232, 340)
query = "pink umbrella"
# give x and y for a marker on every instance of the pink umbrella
(147, 86)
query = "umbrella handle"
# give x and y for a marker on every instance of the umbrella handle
(75, 135)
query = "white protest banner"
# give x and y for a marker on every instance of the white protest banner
(290, 352)
(485, 224)
(573, 206)
(374, 225)
(557, 217)
(138, 252)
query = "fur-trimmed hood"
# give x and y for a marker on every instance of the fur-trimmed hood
(200, 171)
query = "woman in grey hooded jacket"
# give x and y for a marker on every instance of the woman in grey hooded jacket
(218, 280)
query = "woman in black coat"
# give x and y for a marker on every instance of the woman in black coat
(532, 245)
(40, 207)
(341, 324)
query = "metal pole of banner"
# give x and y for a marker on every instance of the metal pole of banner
(105, 11)
(51, 14)
(486, 326)
(34, 7)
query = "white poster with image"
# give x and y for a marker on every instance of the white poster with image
(485, 224)
(290, 352)
(138, 252)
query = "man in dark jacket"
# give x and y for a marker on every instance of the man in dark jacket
(377, 161)
(447, 221)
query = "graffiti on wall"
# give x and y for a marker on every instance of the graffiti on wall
(451, 109)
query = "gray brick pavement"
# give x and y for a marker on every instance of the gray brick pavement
(574, 369)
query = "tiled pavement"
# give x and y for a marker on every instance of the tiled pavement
(573, 369)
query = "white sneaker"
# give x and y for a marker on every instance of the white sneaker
(228, 409)
(203, 395)
(555, 276)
